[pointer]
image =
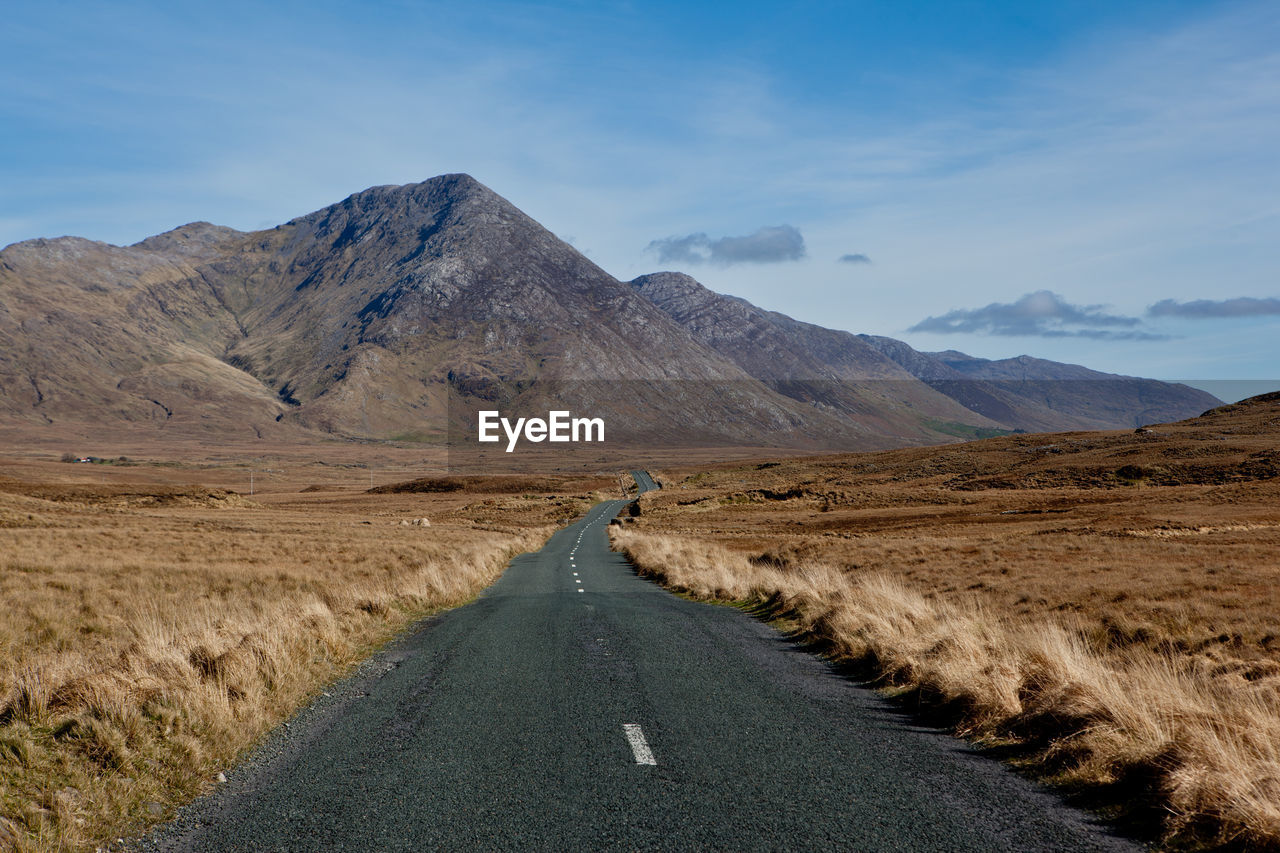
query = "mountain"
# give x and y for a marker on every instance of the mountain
(1036, 395)
(399, 311)
(867, 375)
(830, 369)
(101, 334)
(393, 314)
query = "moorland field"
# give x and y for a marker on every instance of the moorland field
(1099, 607)
(159, 619)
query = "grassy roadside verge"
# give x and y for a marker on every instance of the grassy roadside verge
(1154, 742)
(148, 642)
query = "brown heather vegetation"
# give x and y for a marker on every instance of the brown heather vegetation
(154, 629)
(1099, 607)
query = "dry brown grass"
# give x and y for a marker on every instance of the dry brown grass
(1145, 726)
(151, 633)
(1120, 637)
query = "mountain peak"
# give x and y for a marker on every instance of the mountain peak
(194, 238)
(62, 248)
(949, 355)
(457, 187)
(410, 214)
(667, 278)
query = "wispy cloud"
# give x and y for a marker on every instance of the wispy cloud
(854, 258)
(1206, 309)
(1042, 314)
(765, 246)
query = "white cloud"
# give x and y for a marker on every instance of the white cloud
(1041, 314)
(1206, 309)
(768, 245)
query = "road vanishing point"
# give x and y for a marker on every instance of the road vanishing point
(577, 706)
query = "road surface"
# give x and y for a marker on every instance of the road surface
(575, 705)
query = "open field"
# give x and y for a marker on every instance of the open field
(157, 624)
(1100, 606)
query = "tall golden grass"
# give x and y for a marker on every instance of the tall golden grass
(142, 649)
(1158, 737)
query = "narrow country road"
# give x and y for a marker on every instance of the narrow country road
(575, 705)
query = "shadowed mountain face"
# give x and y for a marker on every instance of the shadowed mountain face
(398, 311)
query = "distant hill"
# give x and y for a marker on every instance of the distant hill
(866, 376)
(832, 370)
(1038, 395)
(398, 311)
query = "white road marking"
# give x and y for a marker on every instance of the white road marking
(639, 747)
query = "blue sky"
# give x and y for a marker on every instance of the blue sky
(1003, 178)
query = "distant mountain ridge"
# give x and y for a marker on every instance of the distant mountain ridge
(1036, 395)
(393, 313)
(804, 360)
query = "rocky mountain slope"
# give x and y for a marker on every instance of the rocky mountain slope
(399, 311)
(390, 315)
(826, 368)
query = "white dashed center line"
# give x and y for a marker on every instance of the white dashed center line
(639, 747)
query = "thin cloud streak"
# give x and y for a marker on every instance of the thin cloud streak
(765, 246)
(855, 258)
(1205, 309)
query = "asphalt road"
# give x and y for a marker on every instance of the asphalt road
(577, 706)
(644, 481)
